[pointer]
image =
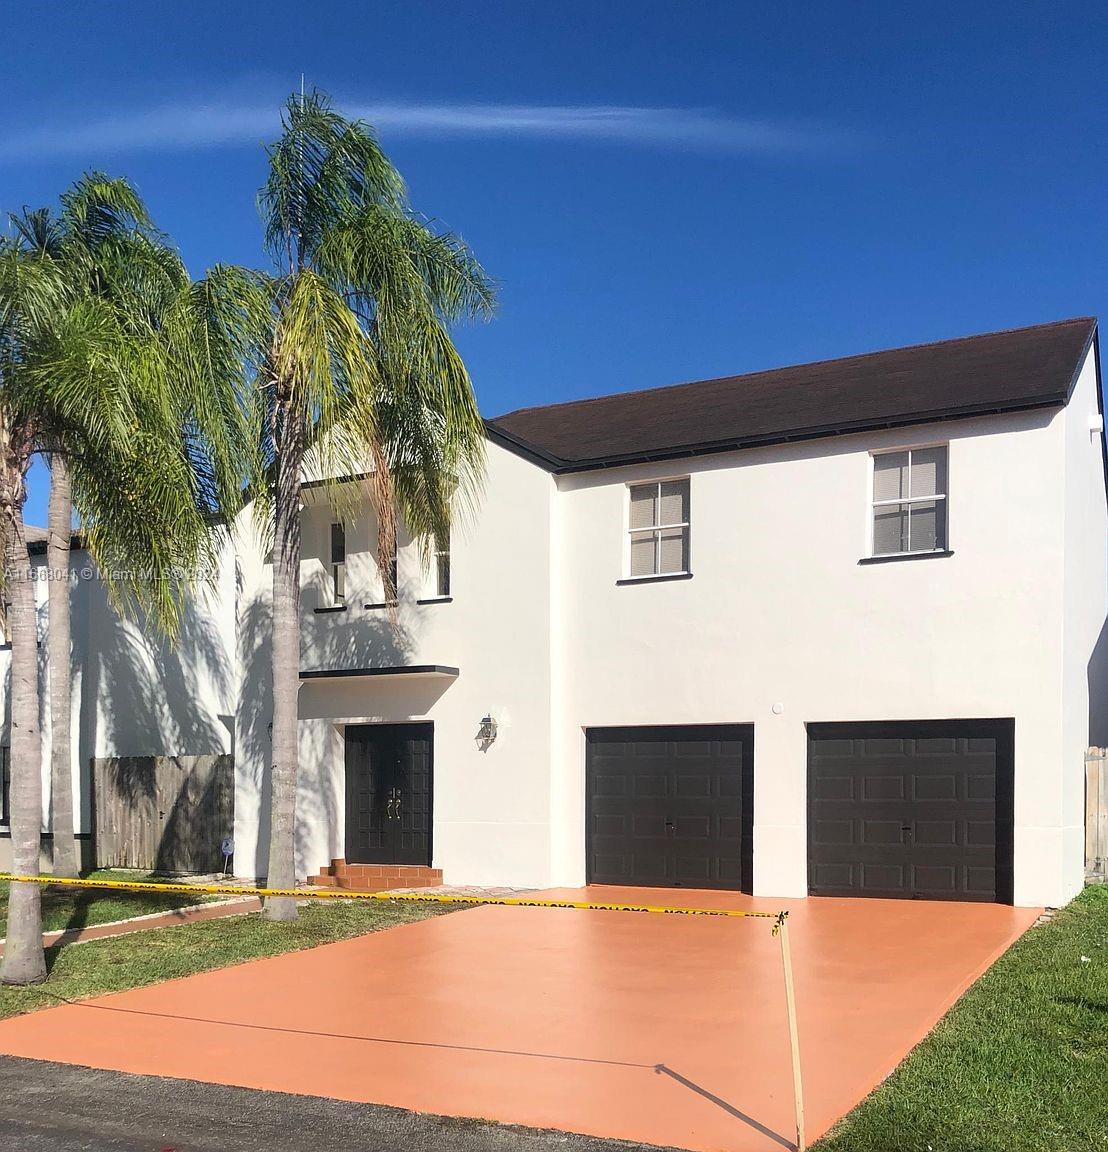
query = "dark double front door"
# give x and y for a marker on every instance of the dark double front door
(388, 793)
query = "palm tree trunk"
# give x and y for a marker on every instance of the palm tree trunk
(24, 961)
(286, 682)
(57, 661)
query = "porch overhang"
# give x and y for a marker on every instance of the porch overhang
(408, 671)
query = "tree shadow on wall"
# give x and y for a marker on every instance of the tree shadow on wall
(139, 699)
(338, 641)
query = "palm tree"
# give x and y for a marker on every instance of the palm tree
(356, 372)
(94, 211)
(28, 296)
(119, 368)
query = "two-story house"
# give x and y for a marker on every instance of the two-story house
(835, 629)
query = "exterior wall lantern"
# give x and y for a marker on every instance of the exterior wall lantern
(486, 734)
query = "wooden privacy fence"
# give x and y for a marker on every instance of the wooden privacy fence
(1096, 815)
(163, 813)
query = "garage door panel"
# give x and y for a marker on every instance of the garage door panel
(700, 748)
(934, 833)
(833, 831)
(939, 786)
(881, 832)
(883, 879)
(684, 806)
(608, 784)
(936, 745)
(982, 879)
(648, 784)
(981, 788)
(890, 787)
(980, 834)
(935, 878)
(651, 867)
(928, 803)
(833, 788)
(878, 747)
(692, 786)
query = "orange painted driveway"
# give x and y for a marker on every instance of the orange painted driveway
(666, 1030)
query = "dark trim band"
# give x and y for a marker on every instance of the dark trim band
(905, 556)
(396, 670)
(654, 579)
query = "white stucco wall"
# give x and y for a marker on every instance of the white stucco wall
(1085, 610)
(135, 694)
(780, 611)
(491, 810)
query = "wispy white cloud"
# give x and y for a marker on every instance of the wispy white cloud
(182, 126)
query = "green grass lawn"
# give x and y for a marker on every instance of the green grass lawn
(120, 962)
(81, 907)
(1019, 1064)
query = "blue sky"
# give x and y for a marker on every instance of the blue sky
(665, 192)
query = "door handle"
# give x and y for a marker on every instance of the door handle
(669, 824)
(398, 796)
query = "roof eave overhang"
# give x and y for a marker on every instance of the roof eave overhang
(561, 467)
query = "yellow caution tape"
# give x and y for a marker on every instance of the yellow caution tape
(410, 897)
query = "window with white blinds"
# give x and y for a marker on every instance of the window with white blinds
(659, 528)
(909, 501)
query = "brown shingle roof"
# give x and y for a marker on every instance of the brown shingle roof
(998, 372)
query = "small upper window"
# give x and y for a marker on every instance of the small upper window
(659, 528)
(909, 501)
(5, 785)
(394, 573)
(442, 568)
(338, 563)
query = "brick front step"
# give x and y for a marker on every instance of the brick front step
(376, 877)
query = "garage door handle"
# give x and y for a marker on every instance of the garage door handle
(669, 824)
(906, 828)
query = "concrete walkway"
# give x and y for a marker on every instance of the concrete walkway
(213, 911)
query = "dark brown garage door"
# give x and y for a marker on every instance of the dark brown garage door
(671, 806)
(911, 809)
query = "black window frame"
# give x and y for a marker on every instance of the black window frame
(338, 563)
(5, 785)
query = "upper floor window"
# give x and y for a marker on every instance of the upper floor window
(909, 501)
(338, 563)
(5, 785)
(441, 570)
(394, 572)
(658, 525)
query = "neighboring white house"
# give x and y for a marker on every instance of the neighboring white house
(837, 628)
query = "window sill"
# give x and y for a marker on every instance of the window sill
(384, 604)
(436, 600)
(329, 608)
(654, 579)
(895, 556)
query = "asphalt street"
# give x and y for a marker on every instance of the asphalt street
(63, 1108)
